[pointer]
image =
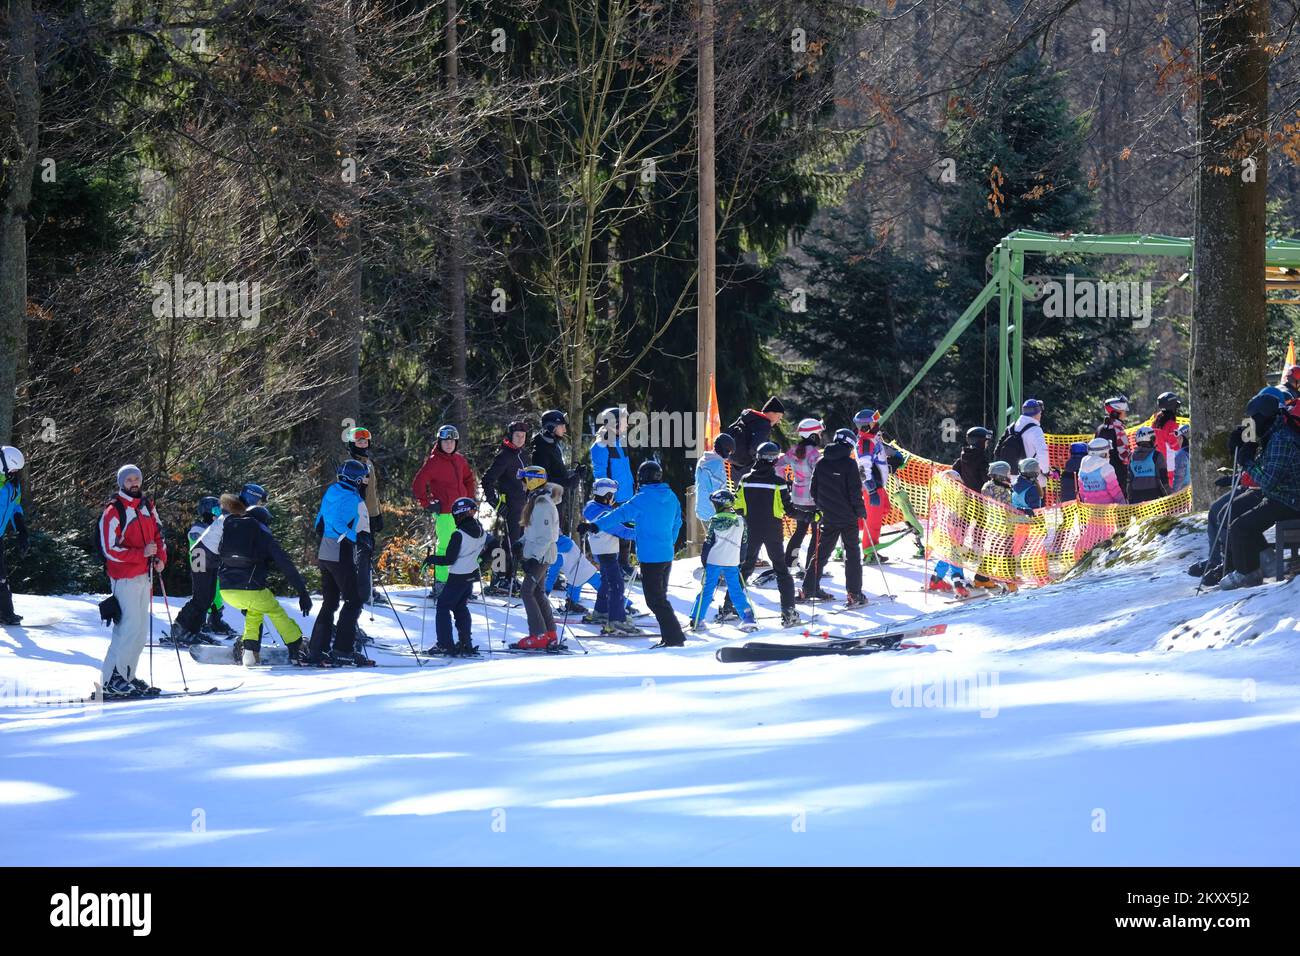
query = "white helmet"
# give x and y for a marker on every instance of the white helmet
(1099, 447)
(810, 426)
(11, 459)
(1145, 433)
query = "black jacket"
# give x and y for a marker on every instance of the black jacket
(546, 452)
(973, 466)
(247, 552)
(1070, 477)
(837, 486)
(757, 496)
(750, 430)
(501, 477)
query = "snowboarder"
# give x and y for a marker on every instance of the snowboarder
(342, 512)
(1024, 438)
(837, 490)
(248, 550)
(1112, 429)
(611, 604)
(1148, 475)
(505, 492)
(1070, 473)
(1275, 470)
(1098, 482)
(763, 498)
(131, 540)
(358, 440)
(205, 590)
(536, 552)
(801, 460)
(723, 546)
(609, 459)
(1165, 423)
(11, 515)
(1182, 460)
(656, 514)
(711, 475)
(444, 477)
(752, 429)
(461, 560)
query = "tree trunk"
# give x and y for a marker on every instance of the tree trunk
(18, 70)
(456, 252)
(1229, 324)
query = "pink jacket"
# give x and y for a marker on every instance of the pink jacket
(801, 470)
(1097, 482)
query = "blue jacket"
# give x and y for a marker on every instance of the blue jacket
(710, 476)
(11, 505)
(657, 515)
(337, 517)
(613, 463)
(1025, 494)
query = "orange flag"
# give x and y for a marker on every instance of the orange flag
(1290, 360)
(712, 427)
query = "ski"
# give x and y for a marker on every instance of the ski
(849, 645)
(96, 699)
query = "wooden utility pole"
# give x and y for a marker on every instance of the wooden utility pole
(706, 335)
(456, 250)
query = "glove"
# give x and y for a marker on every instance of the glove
(24, 544)
(896, 462)
(377, 524)
(304, 604)
(1055, 473)
(435, 506)
(518, 551)
(1224, 482)
(588, 527)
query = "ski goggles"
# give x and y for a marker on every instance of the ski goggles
(360, 434)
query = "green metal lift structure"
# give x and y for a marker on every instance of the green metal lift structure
(1008, 287)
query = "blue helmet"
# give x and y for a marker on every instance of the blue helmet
(1032, 406)
(353, 474)
(253, 494)
(1266, 402)
(1079, 448)
(463, 506)
(867, 419)
(603, 486)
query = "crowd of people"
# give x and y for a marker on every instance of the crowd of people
(746, 486)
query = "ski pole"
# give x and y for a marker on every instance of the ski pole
(151, 570)
(170, 627)
(487, 624)
(398, 618)
(875, 554)
(1236, 477)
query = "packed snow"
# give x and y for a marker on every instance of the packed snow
(1113, 718)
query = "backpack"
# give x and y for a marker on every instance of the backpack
(740, 433)
(1011, 446)
(116, 504)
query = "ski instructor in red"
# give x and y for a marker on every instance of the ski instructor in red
(876, 457)
(444, 477)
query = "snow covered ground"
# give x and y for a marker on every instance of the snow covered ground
(1112, 718)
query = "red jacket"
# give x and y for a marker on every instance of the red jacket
(443, 478)
(123, 543)
(1167, 440)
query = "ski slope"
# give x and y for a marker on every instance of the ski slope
(1114, 718)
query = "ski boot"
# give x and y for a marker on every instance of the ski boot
(179, 636)
(217, 627)
(440, 650)
(855, 601)
(1010, 587)
(790, 617)
(464, 648)
(987, 584)
(627, 628)
(144, 689)
(536, 642)
(664, 642)
(363, 639)
(938, 584)
(812, 595)
(572, 607)
(725, 614)
(764, 579)
(297, 651)
(596, 617)
(13, 620)
(749, 625)
(354, 659)
(378, 600)
(250, 654)
(1241, 579)
(118, 687)
(960, 589)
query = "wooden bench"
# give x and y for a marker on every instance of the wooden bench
(1288, 536)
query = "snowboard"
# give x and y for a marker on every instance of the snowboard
(227, 654)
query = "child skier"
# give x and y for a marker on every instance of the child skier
(711, 475)
(248, 550)
(11, 513)
(801, 460)
(723, 547)
(1166, 426)
(1182, 460)
(1098, 482)
(1000, 487)
(205, 592)
(1148, 475)
(1112, 429)
(461, 561)
(938, 579)
(611, 605)
(876, 458)
(1070, 473)
(536, 552)
(341, 513)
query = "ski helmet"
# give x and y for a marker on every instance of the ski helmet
(1032, 406)
(1266, 402)
(768, 451)
(977, 434)
(260, 515)
(845, 436)
(209, 508)
(463, 506)
(352, 474)
(810, 426)
(1291, 377)
(1184, 431)
(254, 494)
(722, 498)
(448, 433)
(1079, 448)
(11, 459)
(1117, 404)
(613, 415)
(533, 476)
(1099, 447)
(1145, 434)
(1169, 401)
(604, 486)
(867, 420)
(1029, 467)
(650, 473)
(724, 445)
(356, 434)
(552, 419)
(1000, 469)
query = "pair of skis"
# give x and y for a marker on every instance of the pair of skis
(847, 646)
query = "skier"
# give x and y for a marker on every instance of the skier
(1112, 429)
(751, 429)
(535, 552)
(1024, 438)
(577, 570)
(837, 490)
(131, 540)
(1148, 475)
(723, 546)
(248, 550)
(1291, 381)
(1166, 425)
(205, 590)
(1000, 487)
(942, 568)
(972, 469)
(11, 515)
(656, 514)
(342, 511)
(1070, 473)
(763, 498)
(877, 459)
(461, 560)
(1098, 482)
(801, 460)
(1182, 460)
(504, 491)
(1275, 469)
(609, 459)
(253, 494)
(611, 605)
(711, 475)
(548, 450)
(358, 440)
(1026, 496)
(444, 477)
